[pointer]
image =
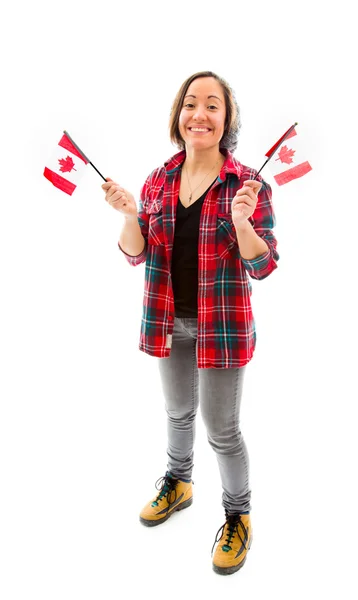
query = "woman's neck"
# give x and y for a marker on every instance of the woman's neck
(199, 161)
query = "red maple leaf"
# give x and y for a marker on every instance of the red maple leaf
(66, 164)
(285, 155)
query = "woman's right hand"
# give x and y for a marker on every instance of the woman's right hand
(120, 198)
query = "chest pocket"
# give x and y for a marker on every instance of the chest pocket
(226, 240)
(155, 226)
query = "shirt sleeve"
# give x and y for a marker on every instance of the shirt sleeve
(143, 220)
(263, 220)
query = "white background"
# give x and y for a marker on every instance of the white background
(83, 427)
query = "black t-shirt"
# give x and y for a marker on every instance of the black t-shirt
(184, 268)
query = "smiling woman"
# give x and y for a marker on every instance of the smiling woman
(223, 93)
(204, 119)
(197, 218)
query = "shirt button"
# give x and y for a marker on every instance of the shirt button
(170, 318)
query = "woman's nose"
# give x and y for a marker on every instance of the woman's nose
(199, 113)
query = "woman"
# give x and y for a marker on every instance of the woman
(203, 226)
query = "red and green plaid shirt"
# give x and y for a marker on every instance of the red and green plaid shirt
(226, 326)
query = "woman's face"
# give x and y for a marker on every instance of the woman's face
(202, 117)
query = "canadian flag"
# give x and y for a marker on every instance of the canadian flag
(66, 165)
(288, 163)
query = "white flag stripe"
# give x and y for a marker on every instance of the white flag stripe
(61, 153)
(277, 166)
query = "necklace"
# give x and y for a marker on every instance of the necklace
(192, 191)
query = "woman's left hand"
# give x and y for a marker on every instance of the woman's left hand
(244, 202)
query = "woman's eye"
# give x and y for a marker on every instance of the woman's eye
(189, 105)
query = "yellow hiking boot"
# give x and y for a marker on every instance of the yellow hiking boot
(236, 535)
(174, 495)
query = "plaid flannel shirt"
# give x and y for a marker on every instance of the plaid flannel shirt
(226, 326)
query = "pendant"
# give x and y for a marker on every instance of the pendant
(190, 197)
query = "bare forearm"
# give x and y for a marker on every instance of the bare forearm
(250, 244)
(131, 239)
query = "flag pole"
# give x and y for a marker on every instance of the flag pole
(92, 165)
(83, 154)
(266, 161)
(277, 145)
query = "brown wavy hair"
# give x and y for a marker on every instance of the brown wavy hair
(232, 119)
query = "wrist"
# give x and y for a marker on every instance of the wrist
(243, 227)
(131, 218)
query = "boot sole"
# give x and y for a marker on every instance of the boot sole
(230, 570)
(153, 523)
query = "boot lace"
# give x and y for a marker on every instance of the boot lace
(166, 485)
(234, 522)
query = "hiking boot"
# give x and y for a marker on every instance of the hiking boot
(174, 495)
(236, 534)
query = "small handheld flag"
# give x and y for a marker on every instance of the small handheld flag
(66, 165)
(289, 163)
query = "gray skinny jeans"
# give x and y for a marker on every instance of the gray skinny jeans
(219, 392)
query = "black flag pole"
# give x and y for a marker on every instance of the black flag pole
(83, 154)
(272, 151)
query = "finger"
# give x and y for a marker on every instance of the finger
(254, 185)
(248, 191)
(107, 186)
(244, 200)
(243, 205)
(115, 188)
(112, 191)
(246, 194)
(118, 195)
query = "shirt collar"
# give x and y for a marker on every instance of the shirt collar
(230, 165)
